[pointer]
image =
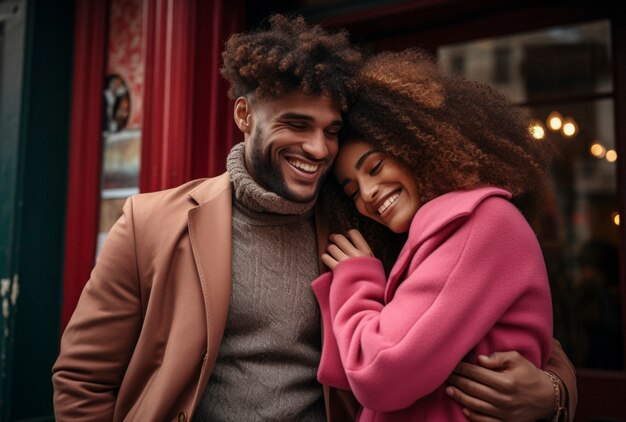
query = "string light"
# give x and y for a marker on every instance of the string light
(611, 156)
(555, 120)
(537, 131)
(570, 128)
(597, 150)
(615, 218)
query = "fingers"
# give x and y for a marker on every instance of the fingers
(353, 245)
(342, 243)
(474, 374)
(498, 360)
(478, 396)
(329, 261)
(336, 252)
(359, 242)
(474, 408)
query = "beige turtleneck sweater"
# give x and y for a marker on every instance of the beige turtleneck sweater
(267, 365)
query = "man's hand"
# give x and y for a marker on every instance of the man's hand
(505, 387)
(341, 248)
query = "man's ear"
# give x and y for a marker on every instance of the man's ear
(243, 114)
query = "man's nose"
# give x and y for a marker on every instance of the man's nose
(316, 145)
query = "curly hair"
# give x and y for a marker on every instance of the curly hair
(450, 133)
(292, 56)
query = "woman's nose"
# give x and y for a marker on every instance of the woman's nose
(369, 190)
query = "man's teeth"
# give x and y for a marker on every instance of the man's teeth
(309, 168)
(388, 202)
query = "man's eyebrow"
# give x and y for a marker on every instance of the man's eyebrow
(306, 117)
(294, 116)
(361, 160)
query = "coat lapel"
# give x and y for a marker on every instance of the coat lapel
(210, 234)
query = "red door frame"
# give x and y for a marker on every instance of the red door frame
(83, 194)
(188, 127)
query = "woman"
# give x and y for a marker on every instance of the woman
(449, 165)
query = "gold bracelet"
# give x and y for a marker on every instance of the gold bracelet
(559, 408)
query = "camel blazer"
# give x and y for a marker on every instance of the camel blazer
(147, 329)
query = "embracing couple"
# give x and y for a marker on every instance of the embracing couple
(366, 256)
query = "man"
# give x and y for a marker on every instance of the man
(200, 303)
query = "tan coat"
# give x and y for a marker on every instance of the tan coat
(145, 335)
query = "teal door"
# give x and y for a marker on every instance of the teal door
(35, 92)
(12, 34)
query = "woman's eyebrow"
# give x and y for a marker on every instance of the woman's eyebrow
(361, 160)
(358, 165)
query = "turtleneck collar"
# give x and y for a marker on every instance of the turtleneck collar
(252, 195)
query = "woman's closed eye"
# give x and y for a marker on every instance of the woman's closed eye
(376, 168)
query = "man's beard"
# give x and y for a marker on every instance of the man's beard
(267, 172)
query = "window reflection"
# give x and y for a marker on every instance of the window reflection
(562, 75)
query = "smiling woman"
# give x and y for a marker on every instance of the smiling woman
(459, 184)
(379, 186)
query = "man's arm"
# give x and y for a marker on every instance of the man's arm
(508, 387)
(98, 341)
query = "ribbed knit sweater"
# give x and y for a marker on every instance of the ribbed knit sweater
(266, 368)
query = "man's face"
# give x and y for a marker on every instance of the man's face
(292, 143)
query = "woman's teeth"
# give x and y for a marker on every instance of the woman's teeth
(388, 202)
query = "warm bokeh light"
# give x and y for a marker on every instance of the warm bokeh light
(611, 156)
(537, 131)
(597, 150)
(615, 218)
(554, 120)
(569, 127)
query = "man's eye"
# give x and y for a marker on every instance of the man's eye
(332, 133)
(297, 126)
(354, 194)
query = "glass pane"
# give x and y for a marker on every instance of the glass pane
(551, 63)
(580, 233)
(564, 73)
(122, 111)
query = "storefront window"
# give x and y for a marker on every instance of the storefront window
(122, 112)
(563, 76)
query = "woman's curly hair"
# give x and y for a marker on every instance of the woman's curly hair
(450, 133)
(292, 56)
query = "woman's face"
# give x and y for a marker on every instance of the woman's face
(379, 186)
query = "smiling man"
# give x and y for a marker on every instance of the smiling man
(200, 305)
(291, 142)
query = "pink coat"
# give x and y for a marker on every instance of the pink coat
(470, 280)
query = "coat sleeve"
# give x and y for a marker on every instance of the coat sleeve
(454, 293)
(330, 371)
(563, 368)
(98, 342)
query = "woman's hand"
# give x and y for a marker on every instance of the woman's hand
(342, 247)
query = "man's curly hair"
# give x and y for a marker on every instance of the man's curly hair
(292, 56)
(450, 133)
